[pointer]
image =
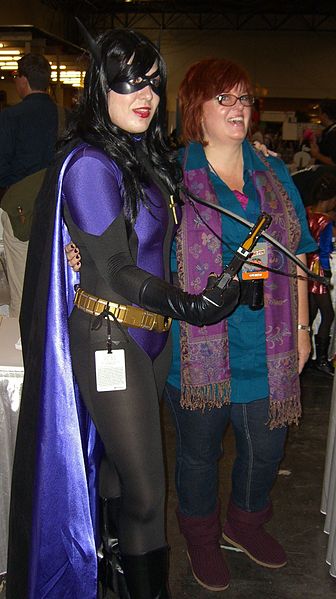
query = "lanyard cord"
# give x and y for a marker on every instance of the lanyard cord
(98, 321)
(310, 275)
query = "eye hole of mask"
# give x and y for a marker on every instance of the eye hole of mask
(153, 81)
(136, 80)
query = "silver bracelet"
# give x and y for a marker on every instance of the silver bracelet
(304, 327)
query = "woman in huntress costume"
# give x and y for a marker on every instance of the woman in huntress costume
(96, 349)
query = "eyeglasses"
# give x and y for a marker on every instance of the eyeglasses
(231, 99)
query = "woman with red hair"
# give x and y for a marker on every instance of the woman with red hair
(245, 369)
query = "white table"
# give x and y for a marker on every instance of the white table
(328, 505)
(11, 377)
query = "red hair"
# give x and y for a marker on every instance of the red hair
(205, 80)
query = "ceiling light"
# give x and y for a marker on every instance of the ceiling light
(10, 52)
(9, 58)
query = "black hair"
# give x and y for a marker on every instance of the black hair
(117, 52)
(328, 107)
(37, 70)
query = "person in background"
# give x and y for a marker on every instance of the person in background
(318, 189)
(28, 134)
(256, 134)
(245, 369)
(302, 158)
(308, 137)
(174, 140)
(324, 151)
(111, 188)
(305, 179)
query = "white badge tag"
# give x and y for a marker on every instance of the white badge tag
(110, 370)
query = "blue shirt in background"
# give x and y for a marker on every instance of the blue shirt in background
(28, 134)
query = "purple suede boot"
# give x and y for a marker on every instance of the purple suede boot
(245, 531)
(202, 534)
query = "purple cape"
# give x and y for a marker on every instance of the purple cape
(53, 536)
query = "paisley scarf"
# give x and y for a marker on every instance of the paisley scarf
(205, 369)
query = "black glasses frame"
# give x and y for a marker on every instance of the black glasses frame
(244, 99)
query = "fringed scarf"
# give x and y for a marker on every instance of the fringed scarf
(205, 368)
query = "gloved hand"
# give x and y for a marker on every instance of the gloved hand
(159, 296)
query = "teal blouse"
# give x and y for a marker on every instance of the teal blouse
(247, 345)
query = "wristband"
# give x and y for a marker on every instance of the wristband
(304, 327)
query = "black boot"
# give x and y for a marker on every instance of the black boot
(110, 572)
(322, 363)
(147, 574)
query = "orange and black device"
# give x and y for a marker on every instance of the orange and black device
(243, 253)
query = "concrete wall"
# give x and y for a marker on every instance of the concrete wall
(298, 65)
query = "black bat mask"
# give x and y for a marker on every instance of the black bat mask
(134, 77)
(135, 84)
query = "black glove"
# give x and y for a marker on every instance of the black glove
(161, 297)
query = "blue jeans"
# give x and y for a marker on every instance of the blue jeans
(199, 435)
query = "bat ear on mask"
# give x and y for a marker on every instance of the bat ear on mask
(90, 43)
(112, 66)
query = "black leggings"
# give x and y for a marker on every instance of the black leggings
(323, 303)
(128, 423)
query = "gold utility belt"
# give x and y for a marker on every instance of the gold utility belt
(129, 316)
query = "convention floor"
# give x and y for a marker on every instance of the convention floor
(297, 520)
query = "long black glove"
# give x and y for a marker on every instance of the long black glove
(161, 297)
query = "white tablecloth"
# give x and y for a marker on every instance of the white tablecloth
(328, 505)
(11, 377)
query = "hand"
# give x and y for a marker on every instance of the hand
(264, 149)
(73, 256)
(304, 348)
(226, 300)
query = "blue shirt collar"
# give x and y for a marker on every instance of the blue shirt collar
(197, 159)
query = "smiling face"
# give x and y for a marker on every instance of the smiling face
(226, 124)
(134, 111)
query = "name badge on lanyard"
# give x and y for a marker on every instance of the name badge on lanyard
(110, 370)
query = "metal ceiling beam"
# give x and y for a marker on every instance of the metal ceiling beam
(242, 15)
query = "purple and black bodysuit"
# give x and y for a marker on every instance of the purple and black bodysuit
(115, 259)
